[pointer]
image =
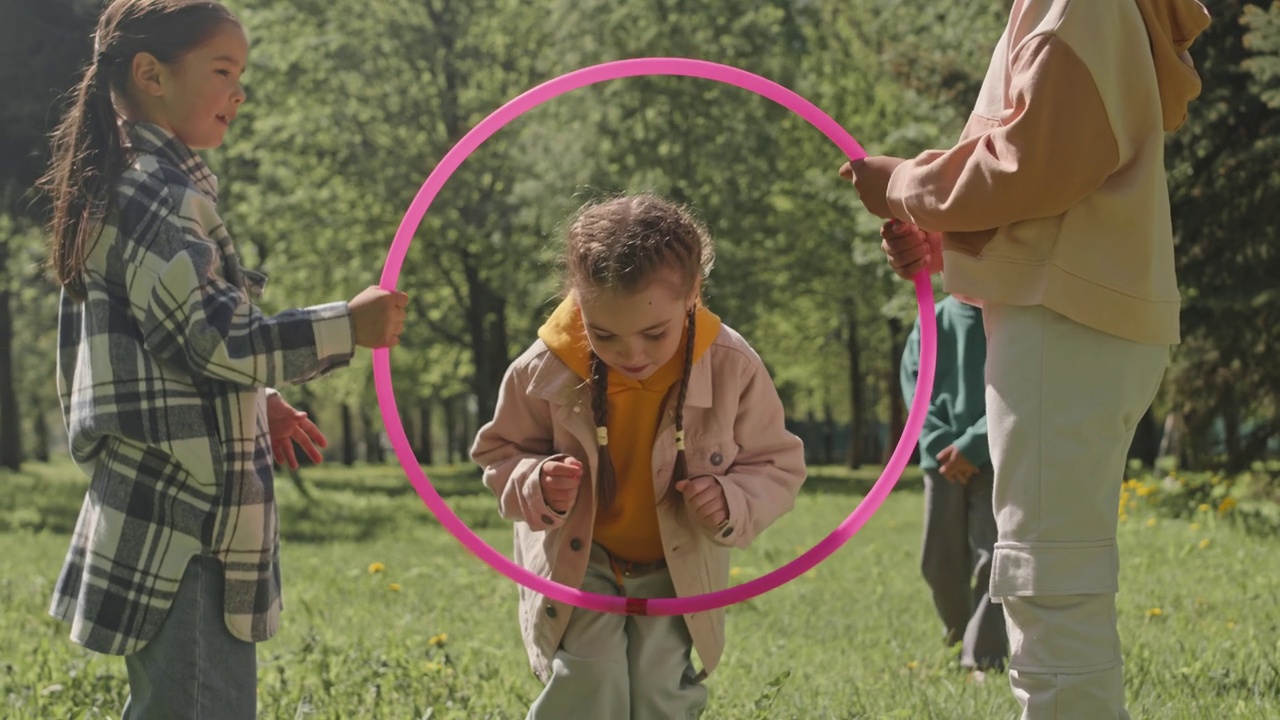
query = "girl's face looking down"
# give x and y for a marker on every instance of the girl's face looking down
(637, 332)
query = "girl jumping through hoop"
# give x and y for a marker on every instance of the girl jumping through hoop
(634, 443)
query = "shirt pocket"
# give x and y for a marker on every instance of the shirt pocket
(711, 456)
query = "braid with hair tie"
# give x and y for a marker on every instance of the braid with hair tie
(681, 469)
(606, 479)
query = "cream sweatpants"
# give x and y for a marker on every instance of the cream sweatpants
(620, 667)
(1063, 401)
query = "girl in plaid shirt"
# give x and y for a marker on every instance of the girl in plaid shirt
(164, 366)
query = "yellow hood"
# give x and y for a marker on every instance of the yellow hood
(1172, 25)
(566, 336)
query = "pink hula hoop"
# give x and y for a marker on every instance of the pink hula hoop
(618, 604)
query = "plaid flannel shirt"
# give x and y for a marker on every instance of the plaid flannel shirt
(162, 375)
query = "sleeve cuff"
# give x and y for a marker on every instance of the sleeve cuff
(732, 529)
(538, 515)
(335, 336)
(896, 193)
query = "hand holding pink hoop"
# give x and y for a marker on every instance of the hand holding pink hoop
(616, 604)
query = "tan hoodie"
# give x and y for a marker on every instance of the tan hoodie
(1056, 193)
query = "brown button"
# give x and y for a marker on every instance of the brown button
(716, 459)
(547, 519)
(575, 544)
(727, 532)
(551, 611)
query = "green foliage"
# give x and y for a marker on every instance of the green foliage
(351, 103)
(1223, 182)
(1263, 40)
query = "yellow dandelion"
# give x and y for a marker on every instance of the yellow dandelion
(1195, 527)
(735, 572)
(376, 567)
(1231, 626)
(1146, 490)
(1155, 612)
(1204, 507)
(1204, 543)
(913, 665)
(1151, 522)
(440, 639)
(1227, 505)
(394, 587)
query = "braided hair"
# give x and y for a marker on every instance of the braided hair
(620, 245)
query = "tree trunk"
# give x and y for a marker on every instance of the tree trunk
(10, 419)
(857, 385)
(1146, 440)
(463, 438)
(1236, 459)
(487, 330)
(828, 433)
(372, 437)
(348, 438)
(450, 430)
(425, 450)
(897, 408)
(41, 428)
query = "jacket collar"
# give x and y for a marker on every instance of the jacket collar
(554, 381)
(146, 137)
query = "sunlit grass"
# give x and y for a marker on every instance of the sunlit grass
(386, 616)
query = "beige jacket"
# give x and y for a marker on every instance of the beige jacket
(734, 432)
(1056, 193)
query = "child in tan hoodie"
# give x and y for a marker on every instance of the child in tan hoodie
(1052, 212)
(622, 475)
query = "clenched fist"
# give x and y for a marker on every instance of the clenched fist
(910, 249)
(560, 480)
(705, 499)
(377, 316)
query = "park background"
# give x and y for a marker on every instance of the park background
(352, 102)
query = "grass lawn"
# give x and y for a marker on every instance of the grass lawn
(432, 632)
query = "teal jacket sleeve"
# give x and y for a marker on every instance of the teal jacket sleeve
(973, 443)
(937, 434)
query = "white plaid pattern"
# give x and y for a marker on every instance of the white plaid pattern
(162, 374)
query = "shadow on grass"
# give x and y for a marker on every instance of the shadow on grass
(347, 504)
(836, 480)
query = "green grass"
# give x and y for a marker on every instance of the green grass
(855, 638)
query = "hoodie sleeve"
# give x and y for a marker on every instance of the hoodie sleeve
(936, 434)
(511, 449)
(1053, 147)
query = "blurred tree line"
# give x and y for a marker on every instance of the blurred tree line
(352, 102)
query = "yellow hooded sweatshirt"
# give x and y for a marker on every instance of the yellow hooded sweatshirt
(630, 530)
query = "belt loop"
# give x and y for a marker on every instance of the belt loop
(617, 571)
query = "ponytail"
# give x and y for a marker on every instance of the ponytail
(88, 156)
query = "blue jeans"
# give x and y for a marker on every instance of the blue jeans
(194, 667)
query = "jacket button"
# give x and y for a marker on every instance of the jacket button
(575, 544)
(727, 532)
(551, 611)
(716, 459)
(547, 519)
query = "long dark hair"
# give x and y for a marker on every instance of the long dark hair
(88, 152)
(620, 245)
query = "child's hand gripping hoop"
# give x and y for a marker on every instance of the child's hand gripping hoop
(608, 603)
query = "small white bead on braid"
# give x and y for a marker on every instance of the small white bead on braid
(602, 435)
